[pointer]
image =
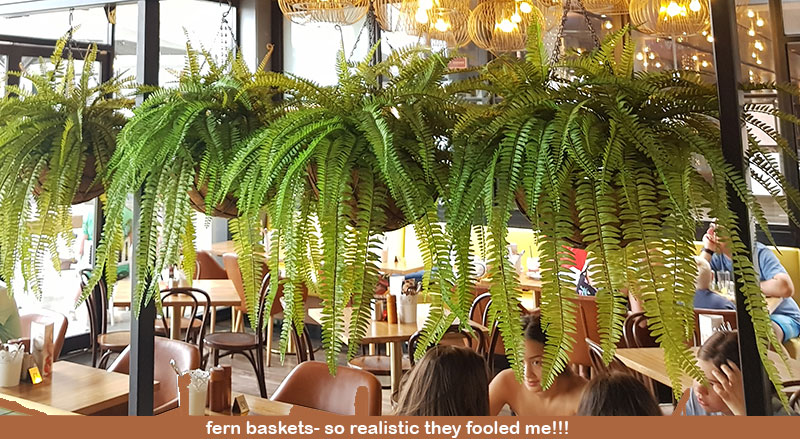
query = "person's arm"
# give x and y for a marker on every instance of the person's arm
(498, 392)
(709, 244)
(779, 286)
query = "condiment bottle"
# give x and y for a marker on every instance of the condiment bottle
(227, 393)
(216, 390)
(391, 308)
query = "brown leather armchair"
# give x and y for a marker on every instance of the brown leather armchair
(208, 267)
(186, 356)
(58, 320)
(310, 384)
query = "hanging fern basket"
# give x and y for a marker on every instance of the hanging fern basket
(225, 209)
(90, 186)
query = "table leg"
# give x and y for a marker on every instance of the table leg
(175, 323)
(396, 369)
(213, 316)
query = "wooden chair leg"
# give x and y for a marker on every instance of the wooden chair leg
(216, 357)
(270, 331)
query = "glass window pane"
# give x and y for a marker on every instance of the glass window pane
(92, 25)
(311, 49)
(3, 72)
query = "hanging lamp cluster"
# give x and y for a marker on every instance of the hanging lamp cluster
(670, 18)
(341, 12)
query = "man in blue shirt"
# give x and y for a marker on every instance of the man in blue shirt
(703, 296)
(775, 282)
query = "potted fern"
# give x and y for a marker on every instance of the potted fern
(55, 145)
(350, 161)
(598, 154)
(176, 147)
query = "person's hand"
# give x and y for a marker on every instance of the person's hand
(730, 387)
(710, 239)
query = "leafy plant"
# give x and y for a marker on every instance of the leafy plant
(55, 144)
(179, 141)
(350, 161)
(596, 153)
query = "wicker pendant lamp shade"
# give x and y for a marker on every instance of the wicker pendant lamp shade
(396, 16)
(607, 7)
(667, 18)
(342, 12)
(502, 25)
(443, 20)
(552, 11)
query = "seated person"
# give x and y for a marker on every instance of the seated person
(528, 398)
(718, 358)
(703, 296)
(775, 282)
(10, 327)
(448, 381)
(617, 394)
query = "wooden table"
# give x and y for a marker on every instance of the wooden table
(221, 291)
(395, 334)
(264, 407)
(75, 388)
(650, 362)
(220, 248)
(399, 268)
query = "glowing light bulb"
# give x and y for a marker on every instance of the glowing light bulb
(760, 22)
(710, 39)
(758, 61)
(751, 32)
(750, 13)
(425, 4)
(640, 56)
(672, 9)
(506, 26)
(608, 24)
(658, 65)
(441, 25)
(751, 73)
(652, 55)
(645, 64)
(754, 55)
(694, 6)
(704, 33)
(759, 46)
(525, 7)
(421, 16)
(704, 63)
(645, 49)
(694, 57)
(516, 18)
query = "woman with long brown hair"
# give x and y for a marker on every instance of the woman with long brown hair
(448, 381)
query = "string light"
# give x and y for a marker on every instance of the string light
(750, 13)
(525, 7)
(608, 24)
(760, 22)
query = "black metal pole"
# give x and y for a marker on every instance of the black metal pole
(728, 70)
(140, 399)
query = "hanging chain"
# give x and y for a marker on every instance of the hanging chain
(560, 35)
(358, 38)
(70, 34)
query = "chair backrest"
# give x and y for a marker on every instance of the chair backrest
(596, 357)
(199, 299)
(477, 311)
(58, 320)
(636, 332)
(186, 356)
(231, 263)
(310, 384)
(208, 267)
(96, 304)
(453, 335)
(728, 315)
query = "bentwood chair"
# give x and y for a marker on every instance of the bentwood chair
(636, 332)
(102, 342)
(195, 327)
(453, 335)
(250, 345)
(310, 384)
(58, 320)
(599, 368)
(186, 356)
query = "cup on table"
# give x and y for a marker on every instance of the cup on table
(198, 391)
